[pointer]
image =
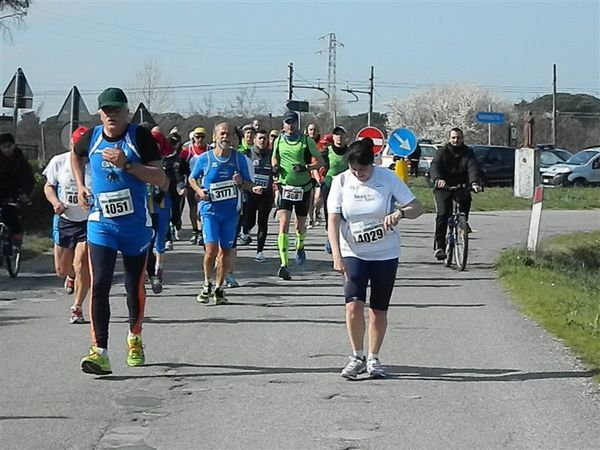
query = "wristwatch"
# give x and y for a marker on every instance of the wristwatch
(401, 213)
(128, 165)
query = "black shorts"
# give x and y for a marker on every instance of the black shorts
(301, 206)
(68, 234)
(381, 275)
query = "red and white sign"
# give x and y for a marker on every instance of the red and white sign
(374, 133)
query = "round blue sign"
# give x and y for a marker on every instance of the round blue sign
(402, 142)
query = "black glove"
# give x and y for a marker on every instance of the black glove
(299, 168)
(275, 170)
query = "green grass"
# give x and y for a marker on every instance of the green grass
(35, 245)
(559, 287)
(502, 198)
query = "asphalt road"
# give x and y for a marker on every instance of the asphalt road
(466, 369)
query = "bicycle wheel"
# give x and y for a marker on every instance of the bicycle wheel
(461, 239)
(13, 261)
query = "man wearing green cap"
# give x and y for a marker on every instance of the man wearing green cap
(123, 158)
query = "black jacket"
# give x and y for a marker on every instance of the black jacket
(16, 176)
(456, 165)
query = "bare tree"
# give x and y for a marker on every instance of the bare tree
(433, 112)
(245, 104)
(151, 87)
(11, 12)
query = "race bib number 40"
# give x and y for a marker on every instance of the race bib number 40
(116, 204)
(224, 190)
(292, 193)
(367, 231)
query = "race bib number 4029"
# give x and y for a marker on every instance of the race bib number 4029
(292, 193)
(367, 231)
(116, 204)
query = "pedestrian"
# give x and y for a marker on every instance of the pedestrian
(123, 158)
(365, 248)
(69, 227)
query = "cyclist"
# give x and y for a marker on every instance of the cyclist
(261, 204)
(292, 156)
(189, 154)
(69, 230)
(16, 183)
(123, 157)
(366, 247)
(453, 164)
(222, 171)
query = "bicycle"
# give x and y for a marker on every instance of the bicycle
(10, 251)
(457, 239)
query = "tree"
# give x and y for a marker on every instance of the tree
(151, 87)
(12, 11)
(433, 112)
(245, 104)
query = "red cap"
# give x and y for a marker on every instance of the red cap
(77, 134)
(326, 139)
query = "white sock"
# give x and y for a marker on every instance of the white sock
(130, 335)
(358, 354)
(102, 351)
(373, 355)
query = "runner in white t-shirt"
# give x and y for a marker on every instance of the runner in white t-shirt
(69, 230)
(366, 247)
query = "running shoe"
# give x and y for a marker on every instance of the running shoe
(309, 226)
(194, 238)
(355, 367)
(200, 239)
(374, 368)
(219, 297)
(327, 246)
(168, 246)
(231, 282)
(156, 285)
(204, 296)
(76, 315)
(245, 239)
(135, 353)
(300, 256)
(439, 254)
(176, 234)
(260, 257)
(69, 285)
(96, 363)
(284, 273)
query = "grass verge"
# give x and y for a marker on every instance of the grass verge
(559, 287)
(502, 198)
(35, 245)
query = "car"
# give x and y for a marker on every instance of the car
(550, 155)
(496, 164)
(581, 169)
(386, 158)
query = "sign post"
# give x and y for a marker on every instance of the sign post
(375, 134)
(536, 218)
(402, 142)
(17, 95)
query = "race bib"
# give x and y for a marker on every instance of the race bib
(116, 204)
(261, 180)
(292, 193)
(69, 195)
(367, 231)
(224, 190)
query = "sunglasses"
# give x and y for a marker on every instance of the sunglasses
(199, 136)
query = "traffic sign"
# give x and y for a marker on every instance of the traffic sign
(402, 142)
(297, 105)
(375, 134)
(490, 117)
(18, 89)
(142, 115)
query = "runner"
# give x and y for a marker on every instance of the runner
(123, 158)
(222, 171)
(366, 247)
(159, 205)
(292, 164)
(261, 204)
(69, 230)
(314, 214)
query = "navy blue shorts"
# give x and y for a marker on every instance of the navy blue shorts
(66, 233)
(381, 275)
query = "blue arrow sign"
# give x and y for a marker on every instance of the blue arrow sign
(402, 142)
(490, 117)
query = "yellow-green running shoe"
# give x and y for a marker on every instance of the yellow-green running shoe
(96, 363)
(135, 355)
(204, 296)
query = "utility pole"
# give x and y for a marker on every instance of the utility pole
(554, 104)
(290, 80)
(369, 93)
(331, 75)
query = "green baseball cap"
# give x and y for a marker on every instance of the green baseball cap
(112, 96)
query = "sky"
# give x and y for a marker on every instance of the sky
(214, 49)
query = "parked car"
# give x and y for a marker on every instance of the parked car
(581, 169)
(550, 155)
(496, 163)
(387, 159)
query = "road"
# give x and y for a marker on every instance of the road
(467, 370)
